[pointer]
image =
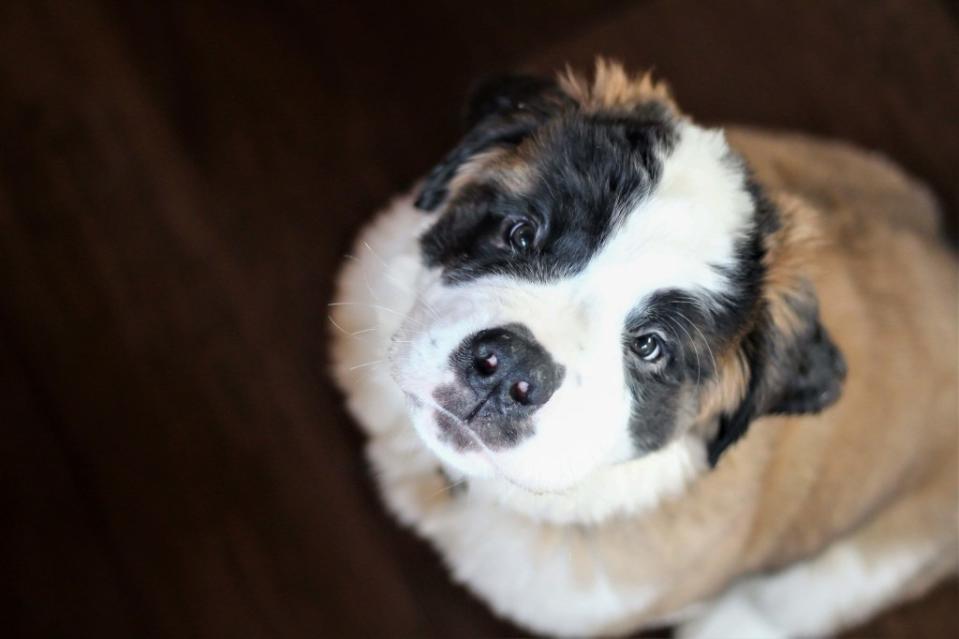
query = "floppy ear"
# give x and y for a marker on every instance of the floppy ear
(812, 378)
(500, 111)
(793, 366)
(789, 374)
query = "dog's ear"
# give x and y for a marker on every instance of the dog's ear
(501, 111)
(508, 94)
(791, 364)
(789, 373)
(812, 376)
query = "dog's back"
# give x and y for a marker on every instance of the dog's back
(864, 496)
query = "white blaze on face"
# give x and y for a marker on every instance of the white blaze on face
(674, 239)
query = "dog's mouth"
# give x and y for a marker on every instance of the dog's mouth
(454, 419)
(456, 432)
(475, 410)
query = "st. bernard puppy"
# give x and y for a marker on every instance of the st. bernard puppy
(622, 370)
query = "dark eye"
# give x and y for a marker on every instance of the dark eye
(648, 347)
(521, 236)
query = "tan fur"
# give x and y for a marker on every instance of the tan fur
(510, 170)
(728, 388)
(881, 465)
(888, 295)
(791, 254)
(613, 89)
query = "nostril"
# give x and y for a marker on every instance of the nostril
(520, 392)
(486, 364)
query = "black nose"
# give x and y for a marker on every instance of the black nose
(509, 372)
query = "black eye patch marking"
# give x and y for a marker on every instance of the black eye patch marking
(587, 172)
(475, 240)
(693, 328)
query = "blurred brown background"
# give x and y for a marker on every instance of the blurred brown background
(178, 184)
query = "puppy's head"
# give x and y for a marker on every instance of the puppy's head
(602, 276)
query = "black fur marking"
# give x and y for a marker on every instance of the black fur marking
(509, 94)
(433, 191)
(589, 171)
(815, 376)
(501, 112)
(693, 330)
(733, 426)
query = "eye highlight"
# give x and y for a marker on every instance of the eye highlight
(521, 236)
(648, 347)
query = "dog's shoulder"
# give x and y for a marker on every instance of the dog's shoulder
(839, 179)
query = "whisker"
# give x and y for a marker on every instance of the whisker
(390, 278)
(366, 279)
(448, 488)
(712, 355)
(366, 364)
(699, 364)
(376, 306)
(340, 328)
(377, 256)
(386, 266)
(380, 307)
(351, 333)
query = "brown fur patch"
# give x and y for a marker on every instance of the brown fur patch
(728, 388)
(506, 167)
(790, 253)
(613, 89)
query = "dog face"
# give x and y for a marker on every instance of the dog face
(596, 284)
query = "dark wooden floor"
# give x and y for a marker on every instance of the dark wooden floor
(178, 183)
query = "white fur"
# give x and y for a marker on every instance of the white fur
(627, 488)
(835, 590)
